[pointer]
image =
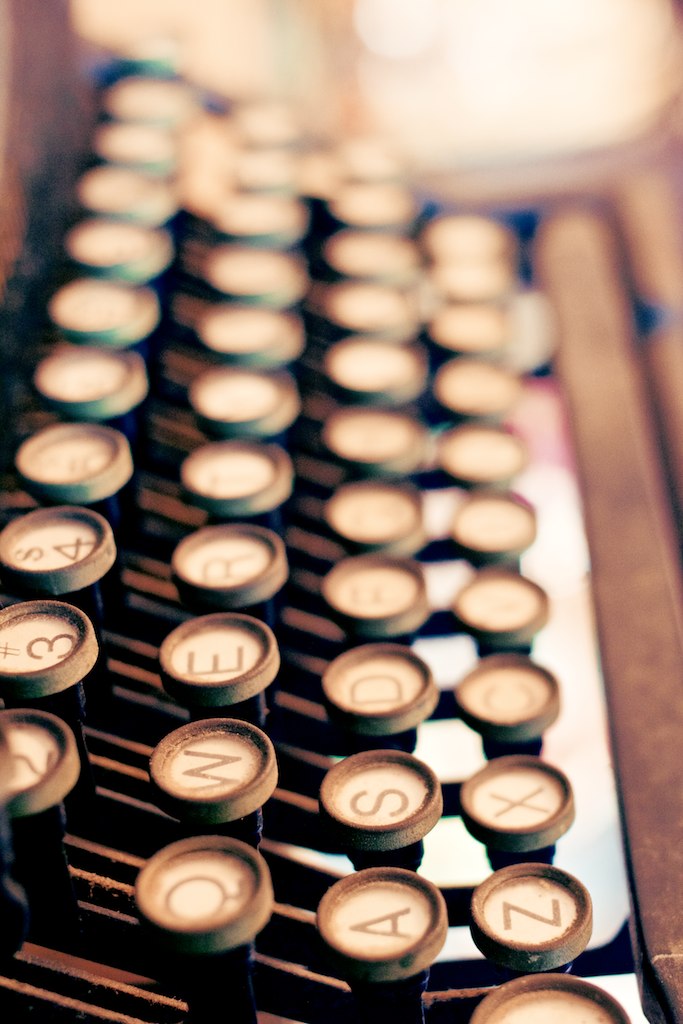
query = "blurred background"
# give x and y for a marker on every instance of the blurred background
(458, 87)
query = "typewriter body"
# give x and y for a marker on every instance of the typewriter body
(597, 313)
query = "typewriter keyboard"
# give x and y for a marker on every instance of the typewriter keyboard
(303, 702)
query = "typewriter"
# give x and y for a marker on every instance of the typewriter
(287, 439)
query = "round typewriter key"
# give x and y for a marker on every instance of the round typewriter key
(127, 195)
(214, 772)
(374, 205)
(264, 171)
(204, 900)
(383, 927)
(166, 102)
(206, 894)
(356, 307)
(238, 479)
(472, 281)
(467, 237)
(377, 596)
(368, 159)
(75, 463)
(481, 456)
(379, 805)
(45, 767)
(379, 690)
(378, 373)
(476, 390)
(508, 699)
(88, 383)
(260, 221)
(481, 330)
(45, 647)
(56, 551)
(248, 336)
(501, 609)
(234, 566)
(493, 527)
(118, 250)
(383, 924)
(517, 804)
(370, 515)
(531, 917)
(375, 442)
(258, 277)
(539, 998)
(235, 401)
(141, 147)
(267, 124)
(91, 311)
(374, 257)
(43, 760)
(218, 661)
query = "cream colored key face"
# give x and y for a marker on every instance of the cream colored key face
(373, 366)
(380, 800)
(531, 917)
(40, 761)
(492, 523)
(37, 641)
(255, 215)
(216, 653)
(475, 328)
(381, 795)
(475, 388)
(530, 911)
(207, 894)
(500, 604)
(482, 455)
(247, 272)
(375, 591)
(120, 192)
(369, 254)
(213, 771)
(507, 693)
(84, 376)
(228, 472)
(103, 243)
(90, 306)
(559, 1007)
(67, 454)
(249, 331)
(135, 145)
(538, 999)
(368, 307)
(382, 924)
(33, 753)
(202, 888)
(55, 542)
(235, 396)
(373, 514)
(226, 561)
(214, 765)
(368, 435)
(373, 205)
(378, 684)
(382, 920)
(467, 238)
(473, 281)
(520, 798)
